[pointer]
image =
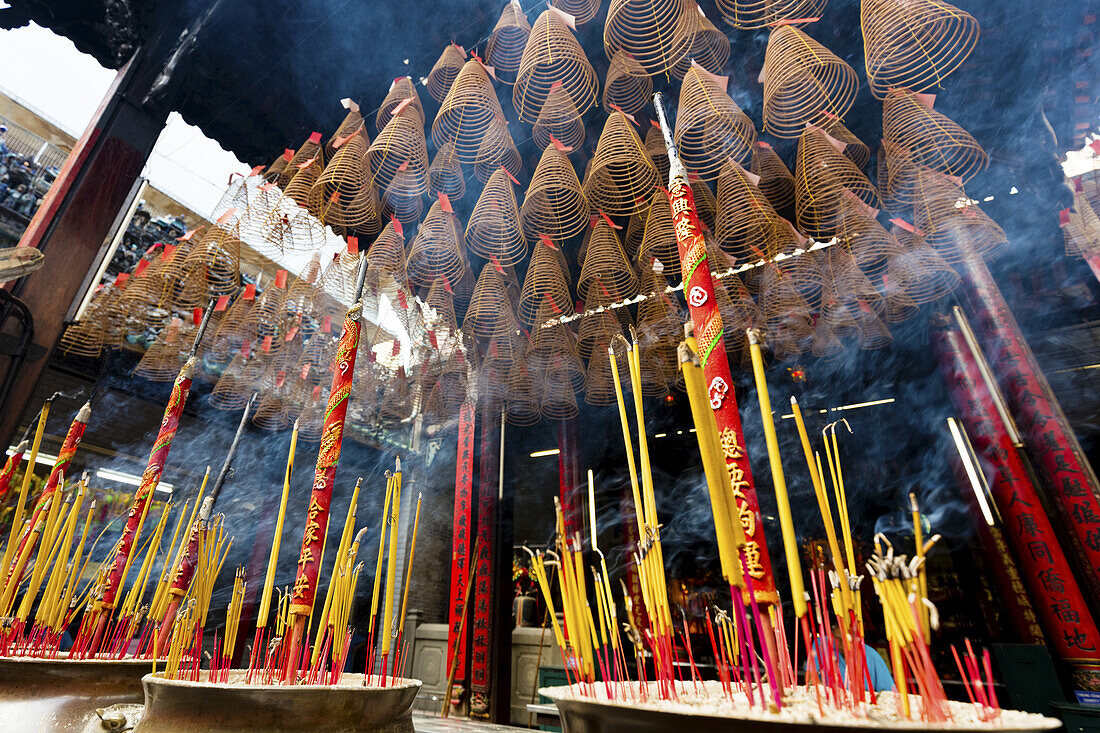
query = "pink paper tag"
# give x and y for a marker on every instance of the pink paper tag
(562, 147)
(305, 371)
(509, 174)
(353, 245)
(326, 324)
(445, 203)
(315, 138)
(619, 109)
(548, 242)
(249, 291)
(196, 316)
(610, 223)
(399, 108)
(291, 333)
(224, 218)
(397, 226)
(569, 20)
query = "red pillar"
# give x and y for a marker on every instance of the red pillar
(1054, 591)
(481, 666)
(1067, 476)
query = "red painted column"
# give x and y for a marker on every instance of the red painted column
(1054, 591)
(1067, 476)
(481, 671)
(460, 545)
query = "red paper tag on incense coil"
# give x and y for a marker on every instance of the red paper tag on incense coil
(548, 242)
(461, 50)
(553, 303)
(257, 170)
(196, 316)
(864, 307)
(120, 281)
(188, 234)
(610, 223)
(1063, 217)
(402, 300)
(403, 167)
(619, 109)
(267, 186)
(446, 283)
(396, 349)
(168, 252)
(445, 203)
(1078, 185)
(305, 371)
(142, 266)
(222, 304)
(316, 393)
(315, 138)
(224, 218)
(308, 163)
(400, 230)
(288, 154)
(431, 340)
(326, 324)
(267, 343)
(655, 124)
(246, 349)
(334, 198)
(762, 144)
(792, 21)
(291, 333)
(569, 20)
(903, 224)
(280, 278)
(603, 288)
(509, 174)
(496, 264)
(353, 245)
(400, 107)
(280, 379)
(249, 291)
(562, 147)
(592, 219)
(722, 82)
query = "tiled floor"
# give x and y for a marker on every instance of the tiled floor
(427, 723)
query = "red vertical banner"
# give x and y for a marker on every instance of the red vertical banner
(707, 322)
(1066, 474)
(328, 456)
(481, 665)
(460, 542)
(569, 478)
(158, 456)
(1056, 595)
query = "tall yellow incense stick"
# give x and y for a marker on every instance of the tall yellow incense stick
(273, 559)
(922, 578)
(783, 503)
(391, 569)
(28, 473)
(408, 569)
(626, 435)
(337, 565)
(381, 554)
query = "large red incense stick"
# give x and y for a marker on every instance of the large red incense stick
(707, 322)
(10, 467)
(158, 456)
(332, 436)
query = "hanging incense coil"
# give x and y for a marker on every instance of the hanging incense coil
(752, 14)
(400, 148)
(400, 199)
(351, 125)
(956, 228)
(395, 403)
(738, 309)
(657, 33)
(88, 336)
(776, 181)
(581, 10)
(914, 45)
(270, 413)
(274, 172)
(336, 193)
(710, 128)
(900, 306)
(553, 57)
(559, 400)
(394, 102)
(524, 391)
(302, 183)
(445, 173)
(635, 233)
(599, 390)
(228, 334)
(804, 82)
(628, 87)
(855, 149)
(443, 74)
(822, 175)
(785, 312)
(600, 323)
(859, 231)
(660, 316)
(387, 253)
(748, 228)
(164, 357)
(558, 120)
(219, 251)
(606, 267)
(507, 42)
(468, 112)
(547, 278)
(555, 204)
(621, 175)
(845, 286)
(310, 152)
(824, 342)
(310, 416)
(236, 383)
(659, 238)
(497, 150)
(490, 313)
(438, 250)
(707, 46)
(494, 231)
(441, 318)
(706, 204)
(1081, 230)
(919, 270)
(873, 333)
(302, 305)
(916, 136)
(655, 147)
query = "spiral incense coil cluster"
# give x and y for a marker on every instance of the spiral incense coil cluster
(445, 173)
(627, 86)
(554, 346)
(394, 102)
(860, 232)
(606, 270)
(352, 123)
(752, 14)
(748, 227)
(776, 180)
(302, 182)
(497, 150)
(507, 42)
(784, 311)
(228, 334)
(558, 120)
(738, 310)
(847, 292)
(621, 175)
(494, 231)
(914, 44)
(468, 112)
(916, 137)
(443, 74)
(553, 57)
(555, 204)
(438, 250)
(547, 279)
(804, 82)
(297, 231)
(92, 333)
(707, 46)
(659, 237)
(710, 128)
(659, 329)
(822, 177)
(524, 389)
(657, 33)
